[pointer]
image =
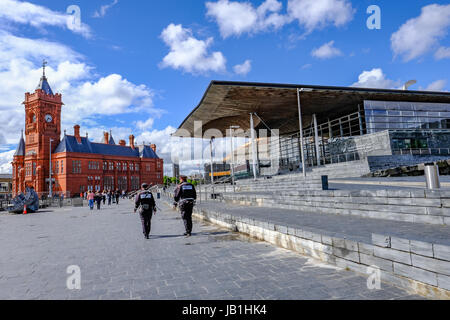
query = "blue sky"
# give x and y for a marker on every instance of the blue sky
(119, 70)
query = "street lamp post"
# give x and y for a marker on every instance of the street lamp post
(50, 193)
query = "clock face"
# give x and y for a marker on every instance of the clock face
(48, 118)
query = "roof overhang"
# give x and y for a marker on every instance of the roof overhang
(228, 104)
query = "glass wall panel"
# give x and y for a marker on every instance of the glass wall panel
(385, 115)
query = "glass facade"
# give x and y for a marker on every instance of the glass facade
(389, 115)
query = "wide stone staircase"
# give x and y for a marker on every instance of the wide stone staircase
(403, 232)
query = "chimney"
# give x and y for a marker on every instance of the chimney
(122, 143)
(132, 141)
(153, 146)
(76, 132)
(105, 137)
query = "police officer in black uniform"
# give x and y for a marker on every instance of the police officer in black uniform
(185, 196)
(145, 203)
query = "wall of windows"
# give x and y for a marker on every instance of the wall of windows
(76, 166)
(388, 115)
(93, 165)
(108, 183)
(28, 169)
(135, 183)
(122, 183)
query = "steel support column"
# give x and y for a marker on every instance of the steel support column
(316, 140)
(300, 119)
(212, 164)
(254, 156)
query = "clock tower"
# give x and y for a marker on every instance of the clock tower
(42, 132)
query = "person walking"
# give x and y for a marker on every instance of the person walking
(109, 197)
(117, 196)
(90, 198)
(98, 199)
(185, 196)
(145, 203)
(104, 197)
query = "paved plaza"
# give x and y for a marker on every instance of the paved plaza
(116, 262)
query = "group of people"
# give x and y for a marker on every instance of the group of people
(184, 197)
(99, 198)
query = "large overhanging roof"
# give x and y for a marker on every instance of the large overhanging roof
(228, 104)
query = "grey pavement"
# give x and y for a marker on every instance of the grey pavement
(341, 226)
(116, 261)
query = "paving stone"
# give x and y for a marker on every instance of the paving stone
(415, 273)
(422, 248)
(430, 264)
(441, 252)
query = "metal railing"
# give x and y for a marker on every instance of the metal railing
(423, 152)
(4, 204)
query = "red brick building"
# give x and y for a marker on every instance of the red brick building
(78, 165)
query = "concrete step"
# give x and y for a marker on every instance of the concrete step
(417, 206)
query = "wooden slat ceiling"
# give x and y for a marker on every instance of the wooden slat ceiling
(228, 104)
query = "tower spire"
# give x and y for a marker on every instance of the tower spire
(44, 64)
(43, 84)
(20, 152)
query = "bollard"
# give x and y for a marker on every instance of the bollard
(325, 183)
(432, 176)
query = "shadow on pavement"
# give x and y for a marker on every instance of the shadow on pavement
(193, 235)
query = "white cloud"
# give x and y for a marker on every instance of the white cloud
(103, 9)
(375, 79)
(235, 18)
(442, 53)
(317, 14)
(420, 35)
(326, 51)
(5, 161)
(38, 16)
(243, 69)
(188, 53)
(145, 125)
(110, 95)
(306, 66)
(438, 85)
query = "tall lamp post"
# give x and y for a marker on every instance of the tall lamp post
(232, 156)
(50, 193)
(409, 84)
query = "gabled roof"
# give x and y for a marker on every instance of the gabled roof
(43, 85)
(147, 153)
(70, 144)
(111, 139)
(20, 152)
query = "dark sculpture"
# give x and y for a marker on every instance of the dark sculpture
(30, 199)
